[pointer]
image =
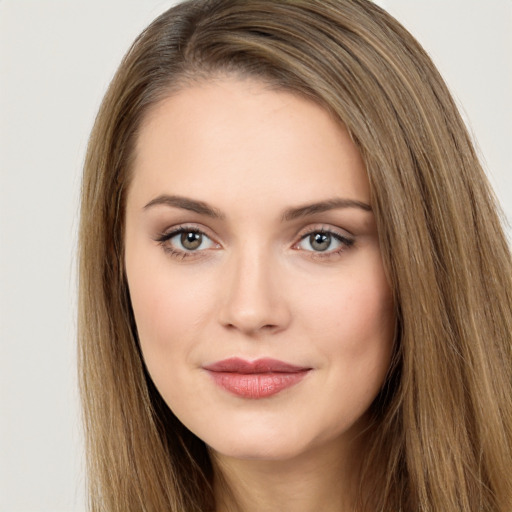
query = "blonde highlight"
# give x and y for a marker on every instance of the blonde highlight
(442, 432)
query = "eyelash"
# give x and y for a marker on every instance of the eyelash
(345, 242)
(163, 239)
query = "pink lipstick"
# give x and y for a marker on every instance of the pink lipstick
(255, 379)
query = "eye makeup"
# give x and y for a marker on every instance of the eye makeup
(190, 241)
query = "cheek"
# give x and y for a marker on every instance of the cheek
(172, 308)
(356, 344)
(165, 309)
(164, 326)
(353, 322)
(355, 304)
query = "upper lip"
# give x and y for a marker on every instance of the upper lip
(264, 365)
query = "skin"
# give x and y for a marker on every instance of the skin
(258, 287)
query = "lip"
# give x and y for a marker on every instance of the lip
(261, 378)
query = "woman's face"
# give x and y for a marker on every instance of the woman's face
(264, 315)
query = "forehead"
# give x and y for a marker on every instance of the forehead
(239, 137)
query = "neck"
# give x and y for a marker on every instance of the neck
(322, 479)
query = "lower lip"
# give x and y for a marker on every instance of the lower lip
(257, 385)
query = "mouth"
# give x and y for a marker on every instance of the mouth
(261, 378)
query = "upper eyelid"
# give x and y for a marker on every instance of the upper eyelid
(324, 228)
(343, 239)
(180, 228)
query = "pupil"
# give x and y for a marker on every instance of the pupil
(320, 241)
(191, 241)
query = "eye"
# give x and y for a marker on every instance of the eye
(320, 241)
(324, 241)
(183, 241)
(190, 241)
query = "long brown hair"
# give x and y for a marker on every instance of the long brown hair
(441, 437)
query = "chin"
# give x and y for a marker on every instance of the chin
(275, 450)
(264, 443)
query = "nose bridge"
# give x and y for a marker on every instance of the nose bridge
(253, 299)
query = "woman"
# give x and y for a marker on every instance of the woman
(295, 292)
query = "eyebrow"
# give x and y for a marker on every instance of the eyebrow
(186, 204)
(289, 214)
(324, 206)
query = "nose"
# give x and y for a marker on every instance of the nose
(253, 299)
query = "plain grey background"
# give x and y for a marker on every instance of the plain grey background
(56, 59)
